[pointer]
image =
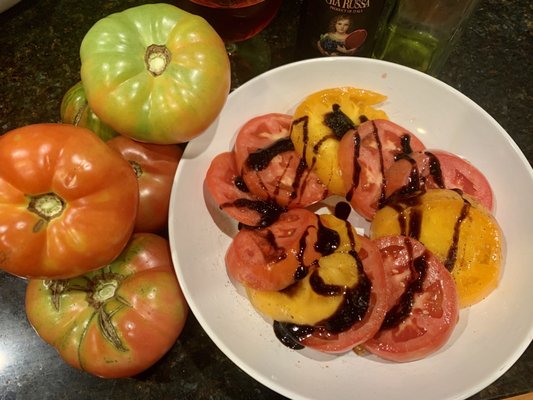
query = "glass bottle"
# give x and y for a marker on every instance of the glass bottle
(338, 27)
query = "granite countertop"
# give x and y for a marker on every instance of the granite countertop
(40, 42)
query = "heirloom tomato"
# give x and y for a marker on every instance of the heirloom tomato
(155, 73)
(422, 309)
(117, 321)
(76, 111)
(154, 166)
(67, 201)
(322, 119)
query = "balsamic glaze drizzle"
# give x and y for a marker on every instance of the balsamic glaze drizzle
(410, 201)
(268, 211)
(353, 307)
(356, 166)
(259, 159)
(452, 251)
(338, 121)
(404, 306)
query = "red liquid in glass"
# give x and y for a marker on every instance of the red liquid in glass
(235, 20)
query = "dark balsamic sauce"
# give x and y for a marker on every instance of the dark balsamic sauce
(342, 210)
(353, 307)
(404, 306)
(405, 143)
(302, 269)
(377, 139)
(291, 334)
(259, 159)
(434, 170)
(240, 184)
(305, 134)
(328, 240)
(452, 251)
(268, 211)
(338, 121)
(356, 166)
(411, 222)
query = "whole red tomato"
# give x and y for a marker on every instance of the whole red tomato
(67, 201)
(154, 166)
(117, 321)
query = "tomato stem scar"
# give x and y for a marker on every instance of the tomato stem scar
(47, 205)
(105, 290)
(157, 57)
(136, 168)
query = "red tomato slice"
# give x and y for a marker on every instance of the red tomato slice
(364, 156)
(365, 329)
(423, 305)
(270, 166)
(270, 258)
(433, 169)
(231, 194)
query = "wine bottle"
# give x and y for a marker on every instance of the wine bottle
(338, 27)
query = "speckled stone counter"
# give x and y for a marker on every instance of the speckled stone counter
(40, 42)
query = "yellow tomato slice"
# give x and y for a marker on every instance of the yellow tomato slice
(459, 231)
(300, 304)
(322, 119)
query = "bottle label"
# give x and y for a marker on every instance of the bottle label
(339, 27)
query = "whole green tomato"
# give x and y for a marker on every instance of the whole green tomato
(117, 321)
(76, 111)
(155, 73)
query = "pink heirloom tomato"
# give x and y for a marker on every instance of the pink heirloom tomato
(117, 321)
(422, 310)
(154, 166)
(155, 73)
(67, 201)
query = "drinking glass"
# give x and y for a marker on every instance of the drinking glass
(238, 22)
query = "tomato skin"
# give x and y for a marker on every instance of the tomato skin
(155, 166)
(99, 193)
(435, 309)
(76, 111)
(285, 179)
(170, 99)
(140, 301)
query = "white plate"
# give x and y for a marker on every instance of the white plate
(490, 336)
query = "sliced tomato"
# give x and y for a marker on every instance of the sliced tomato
(423, 305)
(271, 258)
(365, 154)
(270, 166)
(439, 169)
(232, 195)
(365, 329)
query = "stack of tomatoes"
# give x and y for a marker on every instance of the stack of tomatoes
(84, 204)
